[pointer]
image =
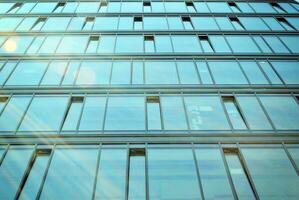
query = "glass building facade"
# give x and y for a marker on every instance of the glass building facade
(149, 100)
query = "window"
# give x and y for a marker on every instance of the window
(88, 7)
(271, 165)
(125, 113)
(93, 113)
(187, 72)
(13, 112)
(72, 116)
(163, 43)
(59, 7)
(43, 7)
(285, 24)
(160, 72)
(137, 188)
(253, 112)
(271, 74)
(174, 7)
(153, 112)
(283, 111)
(9, 23)
(234, 7)
(206, 44)
(16, 44)
(103, 6)
(248, 46)
(70, 7)
(291, 42)
(137, 25)
(212, 172)
(253, 24)
(253, 72)
(277, 7)
(129, 44)
(76, 167)
(155, 23)
(92, 44)
(288, 71)
(111, 180)
(32, 180)
(56, 24)
(227, 72)
(172, 173)
(219, 44)
(107, 44)
(147, 6)
(173, 113)
(187, 23)
(235, 115)
(3, 101)
(204, 72)
(72, 44)
(262, 7)
(219, 7)
(236, 23)
(6, 70)
(273, 24)
(186, 43)
(175, 23)
(239, 175)
(138, 72)
(52, 107)
(11, 174)
(88, 24)
(54, 73)
(26, 7)
(204, 23)
(190, 6)
(205, 113)
(149, 44)
(106, 23)
(71, 73)
(131, 7)
(15, 7)
(121, 73)
(49, 45)
(27, 73)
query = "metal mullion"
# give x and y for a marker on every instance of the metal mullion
(65, 113)
(263, 72)
(219, 95)
(290, 158)
(45, 173)
(240, 66)
(197, 171)
(65, 71)
(4, 153)
(206, 61)
(111, 71)
(105, 112)
(97, 171)
(24, 114)
(196, 71)
(265, 112)
(81, 113)
(247, 172)
(146, 172)
(77, 71)
(145, 114)
(46, 70)
(177, 71)
(277, 74)
(182, 96)
(127, 178)
(241, 112)
(231, 183)
(26, 173)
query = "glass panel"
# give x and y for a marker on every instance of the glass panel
(88, 7)
(16, 44)
(50, 44)
(93, 73)
(254, 113)
(253, 72)
(73, 114)
(111, 182)
(224, 23)
(253, 24)
(273, 24)
(288, 71)
(125, 113)
(13, 113)
(107, 44)
(227, 73)
(56, 24)
(248, 46)
(233, 111)
(9, 23)
(45, 113)
(71, 174)
(184, 44)
(71, 73)
(54, 73)
(175, 23)
(163, 44)
(275, 44)
(187, 73)
(291, 42)
(283, 111)
(6, 70)
(219, 7)
(272, 173)
(173, 113)
(72, 44)
(43, 7)
(239, 178)
(294, 151)
(106, 23)
(172, 174)
(137, 188)
(35, 177)
(212, 173)
(121, 73)
(262, 7)
(153, 113)
(204, 73)
(175, 7)
(12, 170)
(274, 79)
(133, 7)
(155, 23)
(160, 73)
(93, 114)
(219, 44)
(204, 23)
(137, 74)
(205, 113)
(129, 44)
